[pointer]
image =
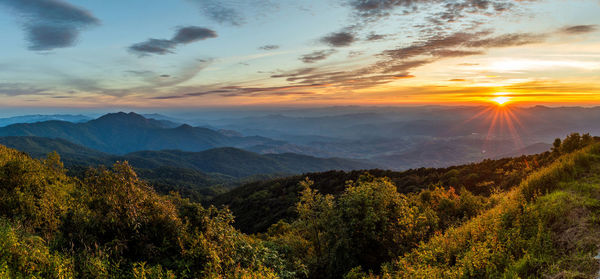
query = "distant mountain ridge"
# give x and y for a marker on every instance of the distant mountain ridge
(121, 133)
(43, 117)
(227, 161)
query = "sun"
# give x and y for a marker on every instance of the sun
(501, 100)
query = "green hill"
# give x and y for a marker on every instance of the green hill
(233, 162)
(110, 224)
(542, 223)
(193, 174)
(259, 204)
(240, 163)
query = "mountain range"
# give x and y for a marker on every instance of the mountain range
(41, 118)
(228, 161)
(394, 138)
(121, 133)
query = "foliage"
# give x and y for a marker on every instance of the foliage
(28, 256)
(196, 175)
(512, 239)
(113, 224)
(278, 196)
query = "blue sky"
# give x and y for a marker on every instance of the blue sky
(195, 53)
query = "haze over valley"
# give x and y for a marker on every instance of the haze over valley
(312, 139)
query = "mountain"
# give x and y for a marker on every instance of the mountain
(41, 118)
(161, 117)
(196, 175)
(259, 204)
(228, 162)
(71, 154)
(240, 163)
(455, 151)
(528, 217)
(120, 133)
(408, 137)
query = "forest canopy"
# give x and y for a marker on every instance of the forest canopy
(112, 224)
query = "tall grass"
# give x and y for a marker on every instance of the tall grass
(564, 168)
(508, 241)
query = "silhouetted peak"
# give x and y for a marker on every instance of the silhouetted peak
(121, 115)
(130, 119)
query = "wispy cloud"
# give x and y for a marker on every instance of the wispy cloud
(184, 35)
(220, 12)
(50, 24)
(237, 91)
(375, 37)
(398, 63)
(153, 46)
(339, 39)
(233, 12)
(316, 56)
(269, 47)
(450, 10)
(18, 89)
(580, 29)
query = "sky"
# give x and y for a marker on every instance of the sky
(212, 53)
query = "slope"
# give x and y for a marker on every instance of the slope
(546, 227)
(257, 205)
(121, 133)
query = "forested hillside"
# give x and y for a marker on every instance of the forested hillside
(198, 175)
(541, 222)
(278, 196)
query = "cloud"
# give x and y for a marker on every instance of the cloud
(394, 64)
(438, 12)
(220, 12)
(153, 46)
(50, 24)
(233, 12)
(236, 91)
(184, 35)
(380, 8)
(317, 55)
(508, 40)
(375, 37)
(462, 44)
(18, 89)
(152, 82)
(339, 39)
(269, 47)
(579, 29)
(299, 72)
(190, 34)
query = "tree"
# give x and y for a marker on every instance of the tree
(314, 216)
(368, 224)
(556, 146)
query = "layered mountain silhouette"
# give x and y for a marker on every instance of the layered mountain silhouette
(121, 133)
(228, 161)
(40, 118)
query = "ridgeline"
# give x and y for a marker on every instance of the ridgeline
(528, 217)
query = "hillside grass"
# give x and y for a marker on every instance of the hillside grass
(547, 227)
(112, 224)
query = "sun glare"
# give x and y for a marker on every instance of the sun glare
(502, 100)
